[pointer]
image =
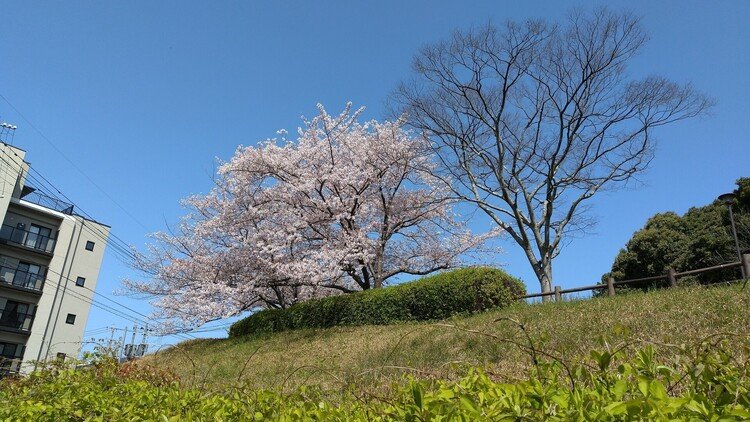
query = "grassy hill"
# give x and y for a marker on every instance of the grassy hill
(379, 355)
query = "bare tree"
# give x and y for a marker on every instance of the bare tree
(530, 120)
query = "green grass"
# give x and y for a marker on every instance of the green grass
(380, 355)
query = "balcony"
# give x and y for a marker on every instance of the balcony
(16, 277)
(12, 320)
(9, 366)
(27, 239)
(11, 355)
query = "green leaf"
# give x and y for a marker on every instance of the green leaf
(657, 390)
(468, 403)
(620, 387)
(616, 408)
(416, 393)
(643, 386)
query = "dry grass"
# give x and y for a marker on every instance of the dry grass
(379, 355)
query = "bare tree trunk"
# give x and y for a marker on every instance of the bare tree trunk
(544, 274)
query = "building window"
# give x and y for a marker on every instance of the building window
(80, 281)
(28, 275)
(15, 315)
(9, 351)
(70, 319)
(89, 245)
(38, 237)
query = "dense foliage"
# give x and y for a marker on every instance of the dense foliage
(434, 297)
(705, 383)
(700, 238)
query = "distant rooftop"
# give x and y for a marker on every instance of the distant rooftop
(32, 195)
(7, 132)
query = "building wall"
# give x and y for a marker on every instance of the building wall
(50, 332)
(12, 174)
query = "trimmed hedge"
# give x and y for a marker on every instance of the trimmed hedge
(435, 297)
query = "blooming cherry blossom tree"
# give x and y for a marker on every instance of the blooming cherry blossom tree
(345, 207)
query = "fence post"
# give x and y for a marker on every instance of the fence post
(558, 295)
(746, 264)
(610, 286)
(671, 277)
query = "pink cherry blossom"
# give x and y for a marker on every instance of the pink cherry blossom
(348, 206)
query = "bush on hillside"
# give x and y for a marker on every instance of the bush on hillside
(434, 297)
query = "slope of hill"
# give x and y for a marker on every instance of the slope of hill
(500, 341)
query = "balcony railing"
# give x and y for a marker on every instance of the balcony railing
(19, 278)
(27, 239)
(19, 321)
(36, 197)
(9, 366)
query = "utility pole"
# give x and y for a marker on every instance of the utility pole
(144, 341)
(728, 200)
(132, 339)
(111, 344)
(119, 351)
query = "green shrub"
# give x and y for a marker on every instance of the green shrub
(709, 382)
(435, 297)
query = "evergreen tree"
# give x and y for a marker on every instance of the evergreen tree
(700, 238)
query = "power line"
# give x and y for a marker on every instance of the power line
(120, 304)
(117, 248)
(95, 332)
(210, 329)
(71, 162)
(122, 314)
(122, 249)
(107, 308)
(123, 245)
(100, 294)
(99, 234)
(40, 184)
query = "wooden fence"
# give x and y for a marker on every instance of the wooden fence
(671, 276)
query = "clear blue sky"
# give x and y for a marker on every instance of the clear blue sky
(143, 95)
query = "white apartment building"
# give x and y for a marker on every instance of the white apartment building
(49, 264)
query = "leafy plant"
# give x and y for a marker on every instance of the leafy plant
(706, 382)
